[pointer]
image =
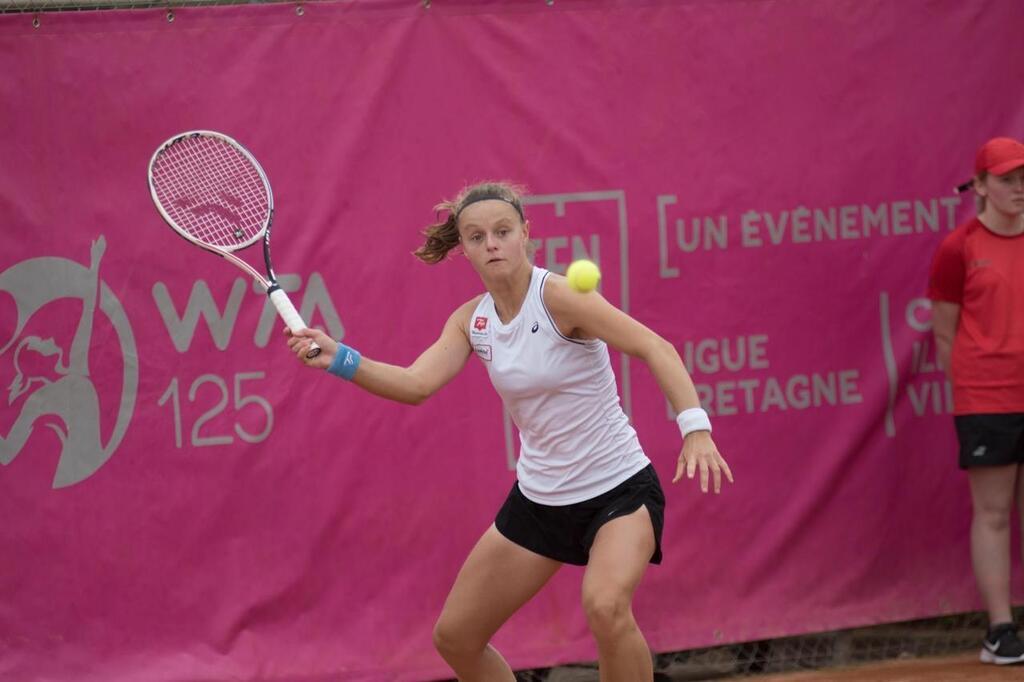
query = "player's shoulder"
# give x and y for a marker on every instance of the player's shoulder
(560, 297)
(966, 229)
(555, 288)
(462, 314)
(955, 240)
(553, 279)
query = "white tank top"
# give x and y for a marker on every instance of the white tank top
(576, 441)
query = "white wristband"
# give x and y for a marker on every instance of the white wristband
(693, 419)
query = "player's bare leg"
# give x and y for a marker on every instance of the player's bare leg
(497, 578)
(1020, 505)
(618, 559)
(992, 492)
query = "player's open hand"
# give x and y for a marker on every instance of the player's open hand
(299, 343)
(699, 453)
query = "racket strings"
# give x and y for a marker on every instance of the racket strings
(212, 191)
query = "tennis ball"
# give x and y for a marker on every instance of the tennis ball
(583, 275)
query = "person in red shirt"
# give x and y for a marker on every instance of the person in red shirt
(976, 286)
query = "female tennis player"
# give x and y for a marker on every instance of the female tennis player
(977, 290)
(585, 492)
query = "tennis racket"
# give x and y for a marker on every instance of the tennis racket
(214, 193)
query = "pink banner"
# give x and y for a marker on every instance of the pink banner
(763, 183)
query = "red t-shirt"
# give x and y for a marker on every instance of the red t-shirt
(983, 272)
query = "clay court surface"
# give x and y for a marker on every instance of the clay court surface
(960, 668)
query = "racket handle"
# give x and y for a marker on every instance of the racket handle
(291, 316)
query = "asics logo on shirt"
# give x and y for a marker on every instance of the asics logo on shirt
(535, 327)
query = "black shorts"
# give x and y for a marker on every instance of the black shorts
(988, 440)
(565, 533)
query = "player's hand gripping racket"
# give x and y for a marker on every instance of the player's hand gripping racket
(212, 192)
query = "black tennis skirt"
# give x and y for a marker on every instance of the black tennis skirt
(565, 533)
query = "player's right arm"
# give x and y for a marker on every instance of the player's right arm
(945, 316)
(946, 278)
(434, 368)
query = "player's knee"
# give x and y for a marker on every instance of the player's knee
(993, 517)
(452, 641)
(608, 613)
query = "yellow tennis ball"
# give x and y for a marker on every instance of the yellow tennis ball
(583, 276)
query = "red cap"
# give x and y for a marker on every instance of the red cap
(999, 156)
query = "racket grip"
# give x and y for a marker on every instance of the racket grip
(291, 316)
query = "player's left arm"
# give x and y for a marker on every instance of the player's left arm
(590, 316)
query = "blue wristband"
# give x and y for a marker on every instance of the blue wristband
(345, 362)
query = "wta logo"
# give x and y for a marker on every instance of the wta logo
(58, 305)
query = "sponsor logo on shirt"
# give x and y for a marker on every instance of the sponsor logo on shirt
(483, 350)
(480, 324)
(535, 327)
